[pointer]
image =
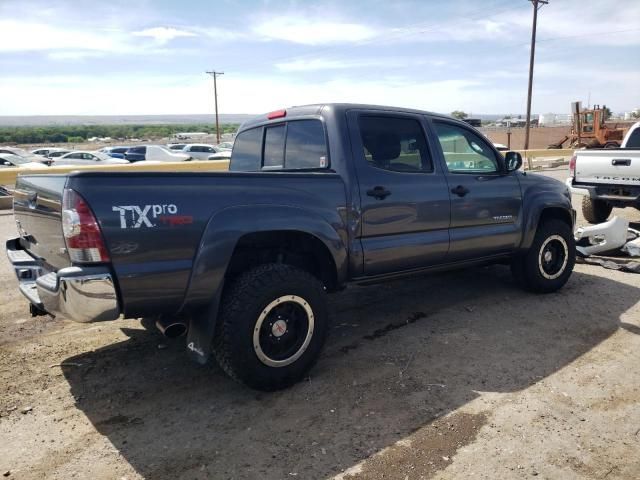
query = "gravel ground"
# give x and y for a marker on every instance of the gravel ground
(459, 375)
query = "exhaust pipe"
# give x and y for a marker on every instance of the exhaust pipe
(171, 327)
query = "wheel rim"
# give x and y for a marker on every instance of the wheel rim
(283, 331)
(553, 257)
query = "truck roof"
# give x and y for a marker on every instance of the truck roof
(316, 109)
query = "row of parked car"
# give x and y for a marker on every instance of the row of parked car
(175, 152)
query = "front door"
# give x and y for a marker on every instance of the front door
(486, 201)
(404, 198)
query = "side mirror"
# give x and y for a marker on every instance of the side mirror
(514, 161)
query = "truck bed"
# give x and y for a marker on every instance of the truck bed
(153, 222)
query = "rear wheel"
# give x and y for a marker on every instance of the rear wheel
(548, 263)
(595, 211)
(272, 326)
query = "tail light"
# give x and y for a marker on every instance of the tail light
(572, 166)
(81, 230)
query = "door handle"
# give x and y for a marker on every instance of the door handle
(621, 161)
(378, 192)
(460, 190)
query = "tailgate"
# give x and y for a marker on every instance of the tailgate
(608, 166)
(37, 208)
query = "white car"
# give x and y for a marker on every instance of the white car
(58, 153)
(8, 160)
(45, 152)
(21, 153)
(225, 146)
(200, 151)
(155, 153)
(88, 158)
(222, 155)
(501, 147)
(176, 146)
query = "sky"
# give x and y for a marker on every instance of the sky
(119, 57)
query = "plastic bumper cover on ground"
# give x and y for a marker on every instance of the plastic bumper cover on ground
(82, 294)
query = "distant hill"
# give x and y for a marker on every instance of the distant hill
(48, 120)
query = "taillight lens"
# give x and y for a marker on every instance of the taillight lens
(81, 230)
(572, 166)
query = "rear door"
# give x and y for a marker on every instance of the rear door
(486, 201)
(403, 194)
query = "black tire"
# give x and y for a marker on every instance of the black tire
(595, 211)
(247, 343)
(537, 271)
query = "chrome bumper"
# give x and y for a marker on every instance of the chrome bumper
(82, 294)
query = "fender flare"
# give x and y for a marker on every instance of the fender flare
(534, 207)
(217, 244)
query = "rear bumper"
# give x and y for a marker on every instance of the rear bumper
(82, 294)
(576, 190)
(616, 195)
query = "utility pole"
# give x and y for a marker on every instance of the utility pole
(215, 74)
(537, 4)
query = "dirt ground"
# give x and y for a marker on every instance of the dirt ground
(458, 375)
(539, 137)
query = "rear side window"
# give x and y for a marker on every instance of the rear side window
(298, 144)
(394, 143)
(634, 139)
(274, 147)
(306, 146)
(247, 151)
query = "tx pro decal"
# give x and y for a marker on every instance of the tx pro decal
(138, 216)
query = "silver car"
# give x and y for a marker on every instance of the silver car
(200, 151)
(88, 158)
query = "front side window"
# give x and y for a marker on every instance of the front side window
(395, 144)
(464, 151)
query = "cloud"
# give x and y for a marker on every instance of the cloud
(306, 31)
(163, 35)
(20, 36)
(323, 64)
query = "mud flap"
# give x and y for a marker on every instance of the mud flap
(202, 327)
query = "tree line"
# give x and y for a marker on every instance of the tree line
(80, 133)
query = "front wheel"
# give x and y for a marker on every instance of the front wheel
(548, 263)
(273, 324)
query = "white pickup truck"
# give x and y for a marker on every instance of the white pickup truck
(607, 178)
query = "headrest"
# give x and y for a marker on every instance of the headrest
(384, 146)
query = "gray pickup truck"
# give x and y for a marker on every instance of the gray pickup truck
(316, 197)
